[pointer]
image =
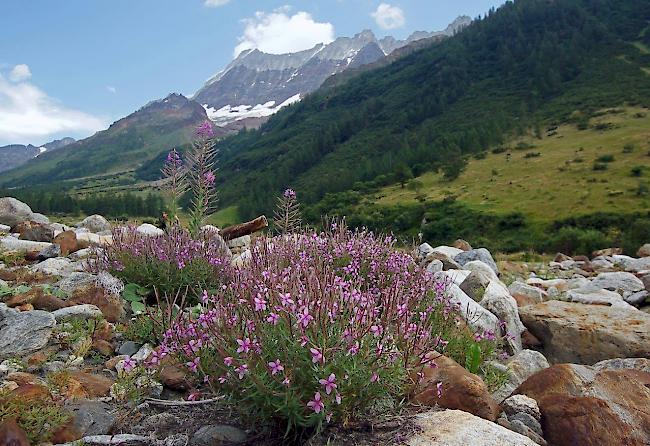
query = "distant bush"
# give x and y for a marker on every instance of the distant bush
(524, 146)
(532, 155)
(498, 150)
(605, 158)
(599, 166)
(637, 171)
(480, 155)
(628, 148)
(571, 240)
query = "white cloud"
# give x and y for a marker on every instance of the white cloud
(277, 32)
(388, 16)
(29, 115)
(111, 89)
(215, 3)
(20, 72)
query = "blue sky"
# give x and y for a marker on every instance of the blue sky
(70, 67)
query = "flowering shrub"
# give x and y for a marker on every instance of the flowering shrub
(317, 327)
(167, 263)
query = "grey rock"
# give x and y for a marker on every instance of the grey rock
(128, 348)
(75, 281)
(499, 302)
(520, 367)
(528, 420)
(59, 266)
(53, 366)
(529, 292)
(636, 298)
(585, 334)
(618, 281)
(22, 333)
(85, 312)
(91, 417)
(81, 254)
(638, 265)
(40, 218)
(521, 404)
(601, 263)
(474, 314)
(523, 429)
(142, 353)
(599, 297)
(13, 211)
(50, 252)
(458, 428)
(150, 230)
(95, 223)
(435, 266)
(240, 242)
(481, 254)
(216, 434)
(644, 251)
(478, 266)
(475, 285)
(5, 229)
(646, 281)
(422, 251)
(11, 243)
(641, 364)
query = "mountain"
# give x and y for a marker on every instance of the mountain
(15, 155)
(126, 144)
(257, 84)
(528, 64)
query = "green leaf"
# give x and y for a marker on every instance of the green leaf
(138, 307)
(473, 358)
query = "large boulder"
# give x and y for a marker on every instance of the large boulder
(22, 333)
(621, 282)
(644, 251)
(95, 223)
(458, 428)
(586, 406)
(498, 301)
(13, 212)
(598, 297)
(526, 294)
(36, 232)
(10, 243)
(149, 229)
(481, 254)
(59, 266)
(475, 285)
(451, 386)
(638, 265)
(474, 314)
(586, 334)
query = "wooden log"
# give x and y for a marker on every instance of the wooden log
(240, 230)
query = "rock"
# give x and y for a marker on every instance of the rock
(521, 404)
(572, 332)
(11, 434)
(475, 285)
(95, 223)
(76, 280)
(5, 229)
(13, 212)
(600, 297)
(84, 312)
(525, 294)
(448, 251)
(458, 428)
(520, 367)
(435, 266)
(559, 258)
(67, 242)
(91, 417)
(498, 301)
(240, 242)
(588, 407)
(40, 218)
(35, 232)
(602, 263)
(637, 298)
(241, 259)
(519, 427)
(143, 353)
(112, 363)
(128, 348)
(644, 251)
(217, 434)
(641, 364)
(479, 267)
(481, 254)
(462, 245)
(529, 421)
(50, 252)
(48, 302)
(618, 281)
(9, 243)
(22, 333)
(59, 266)
(447, 262)
(92, 384)
(646, 281)
(81, 254)
(87, 239)
(456, 276)
(460, 389)
(174, 377)
(559, 284)
(474, 314)
(111, 306)
(150, 230)
(422, 251)
(608, 252)
(638, 265)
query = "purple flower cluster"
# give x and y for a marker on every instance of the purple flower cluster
(205, 130)
(329, 322)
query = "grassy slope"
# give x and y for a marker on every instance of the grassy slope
(554, 185)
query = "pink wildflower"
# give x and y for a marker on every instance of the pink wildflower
(316, 356)
(316, 404)
(276, 367)
(228, 361)
(244, 346)
(329, 383)
(273, 318)
(242, 370)
(193, 365)
(439, 389)
(129, 364)
(374, 378)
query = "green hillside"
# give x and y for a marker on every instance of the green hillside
(528, 65)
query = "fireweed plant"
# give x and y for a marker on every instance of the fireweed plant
(286, 217)
(318, 327)
(167, 263)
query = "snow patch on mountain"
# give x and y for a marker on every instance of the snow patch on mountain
(227, 114)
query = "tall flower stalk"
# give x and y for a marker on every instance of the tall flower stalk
(176, 185)
(286, 218)
(201, 178)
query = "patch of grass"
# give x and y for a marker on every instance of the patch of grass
(225, 217)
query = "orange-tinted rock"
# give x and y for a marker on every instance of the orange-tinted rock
(174, 377)
(11, 434)
(67, 241)
(112, 363)
(66, 433)
(607, 252)
(24, 298)
(30, 392)
(93, 385)
(529, 341)
(461, 390)
(462, 244)
(103, 347)
(587, 406)
(104, 330)
(36, 232)
(25, 307)
(48, 302)
(111, 306)
(7, 275)
(22, 378)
